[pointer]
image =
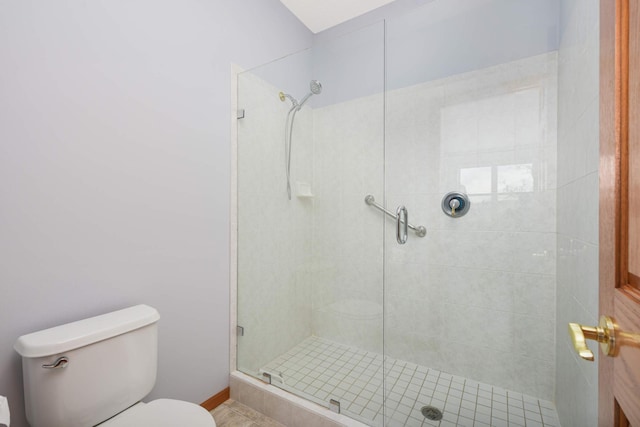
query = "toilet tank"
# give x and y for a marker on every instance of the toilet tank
(112, 362)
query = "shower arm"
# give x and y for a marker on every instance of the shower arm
(420, 230)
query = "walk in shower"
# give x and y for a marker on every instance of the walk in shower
(397, 240)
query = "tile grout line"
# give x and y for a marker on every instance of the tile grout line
(359, 372)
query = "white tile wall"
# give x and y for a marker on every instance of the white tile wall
(481, 304)
(577, 206)
(347, 234)
(274, 233)
(475, 296)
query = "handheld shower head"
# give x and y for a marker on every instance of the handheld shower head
(316, 88)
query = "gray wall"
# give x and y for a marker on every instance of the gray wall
(577, 204)
(115, 166)
(428, 40)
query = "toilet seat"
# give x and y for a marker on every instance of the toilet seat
(162, 413)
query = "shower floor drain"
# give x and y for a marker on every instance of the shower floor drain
(431, 413)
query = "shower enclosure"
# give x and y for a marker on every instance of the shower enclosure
(343, 299)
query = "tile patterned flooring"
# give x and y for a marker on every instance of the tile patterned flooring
(235, 414)
(318, 370)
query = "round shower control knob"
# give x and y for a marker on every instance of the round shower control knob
(455, 204)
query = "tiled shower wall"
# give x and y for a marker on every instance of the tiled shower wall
(578, 157)
(274, 236)
(475, 297)
(347, 233)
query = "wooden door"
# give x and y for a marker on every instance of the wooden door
(619, 376)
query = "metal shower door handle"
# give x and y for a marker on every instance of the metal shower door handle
(402, 227)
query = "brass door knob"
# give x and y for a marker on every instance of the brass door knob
(604, 334)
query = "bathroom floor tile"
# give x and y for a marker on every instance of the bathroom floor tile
(235, 414)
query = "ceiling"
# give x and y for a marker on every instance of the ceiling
(318, 15)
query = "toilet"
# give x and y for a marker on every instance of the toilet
(96, 371)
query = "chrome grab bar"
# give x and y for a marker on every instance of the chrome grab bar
(371, 201)
(402, 219)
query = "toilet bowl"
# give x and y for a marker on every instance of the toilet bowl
(96, 371)
(162, 413)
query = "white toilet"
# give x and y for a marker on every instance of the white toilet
(96, 370)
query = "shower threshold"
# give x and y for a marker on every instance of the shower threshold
(320, 370)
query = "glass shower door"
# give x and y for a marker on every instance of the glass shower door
(310, 262)
(469, 308)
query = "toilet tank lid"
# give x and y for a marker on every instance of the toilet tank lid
(84, 332)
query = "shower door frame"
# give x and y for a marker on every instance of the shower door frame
(242, 387)
(354, 203)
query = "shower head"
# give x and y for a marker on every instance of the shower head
(316, 87)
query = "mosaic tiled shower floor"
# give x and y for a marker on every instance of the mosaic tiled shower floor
(319, 370)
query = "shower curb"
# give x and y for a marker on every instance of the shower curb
(282, 406)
